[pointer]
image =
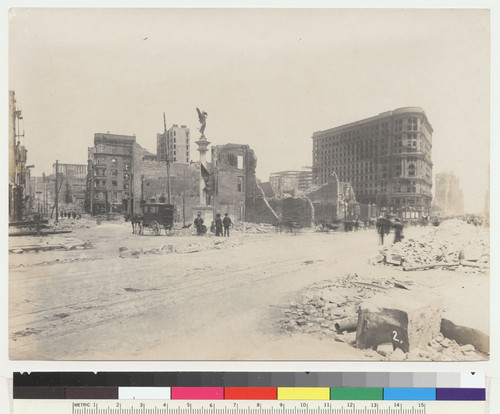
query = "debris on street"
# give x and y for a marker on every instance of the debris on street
(207, 244)
(383, 318)
(454, 244)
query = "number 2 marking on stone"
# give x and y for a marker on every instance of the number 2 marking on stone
(395, 337)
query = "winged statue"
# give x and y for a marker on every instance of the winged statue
(202, 117)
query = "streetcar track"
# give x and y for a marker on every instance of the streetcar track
(181, 280)
(149, 298)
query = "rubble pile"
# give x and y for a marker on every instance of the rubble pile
(438, 349)
(63, 261)
(180, 230)
(253, 228)
(55, 244)
(454, 243)
(331, 306)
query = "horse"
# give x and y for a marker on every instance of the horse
(136, 221)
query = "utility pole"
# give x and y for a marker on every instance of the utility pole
(107, 201)
(167, 156)
(57, 192)
(91, 191)
(184, 197)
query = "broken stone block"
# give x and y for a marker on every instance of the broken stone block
(332, 297)
(406, 319)
(394, 259)
(463, 335)
(471, 253)
(467, 348)
(385, 349)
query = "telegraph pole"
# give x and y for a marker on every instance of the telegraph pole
(57, 192)
(167, 156)
(184, 197)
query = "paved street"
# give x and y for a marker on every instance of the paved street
(211, 304)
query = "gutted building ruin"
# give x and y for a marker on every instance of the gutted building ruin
(234, 187)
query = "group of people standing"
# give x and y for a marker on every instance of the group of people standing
(220, 226)
(384, 225)
(69, 214)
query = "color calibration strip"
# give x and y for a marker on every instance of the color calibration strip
(241, 386)
(251, 393)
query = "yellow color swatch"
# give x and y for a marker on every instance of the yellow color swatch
(303, 393)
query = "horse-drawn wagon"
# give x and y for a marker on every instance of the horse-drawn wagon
(155, 217)
(158, 216)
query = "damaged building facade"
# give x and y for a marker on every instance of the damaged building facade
(72, 179)
(151, 183)
(110, 174)
(291, 182)
(19, 170)
(233, 185)
(387, 158)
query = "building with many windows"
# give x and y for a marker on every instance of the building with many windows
(19, 171)
(291, 182)
(110, 178)
(72, 180)
(386, 158)
(177, 139)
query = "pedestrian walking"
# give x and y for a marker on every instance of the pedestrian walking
(218, 225)
(226, 222)
(398, 230)
(381, 225)
(198, 222)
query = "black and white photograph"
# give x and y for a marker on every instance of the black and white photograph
(249, 184)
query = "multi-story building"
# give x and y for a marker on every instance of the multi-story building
(291, 181)
(177, 139)
(449, 197)
(386, 158)
(110, 177)
(72, 181)
(19, 171)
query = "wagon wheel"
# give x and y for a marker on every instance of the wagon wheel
(155, 228)
(169, 230)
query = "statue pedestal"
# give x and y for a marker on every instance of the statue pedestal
(207, 214)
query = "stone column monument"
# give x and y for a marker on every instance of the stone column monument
(205, 210)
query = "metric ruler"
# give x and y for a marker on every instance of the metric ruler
(27, 406)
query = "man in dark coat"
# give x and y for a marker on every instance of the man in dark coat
(226, 222)
(398, 230)
(198, 222)
(218, 225)
(381, 228)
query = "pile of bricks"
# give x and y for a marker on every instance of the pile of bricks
(330, 307)
(452, 243)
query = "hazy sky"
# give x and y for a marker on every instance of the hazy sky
(267, 78)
